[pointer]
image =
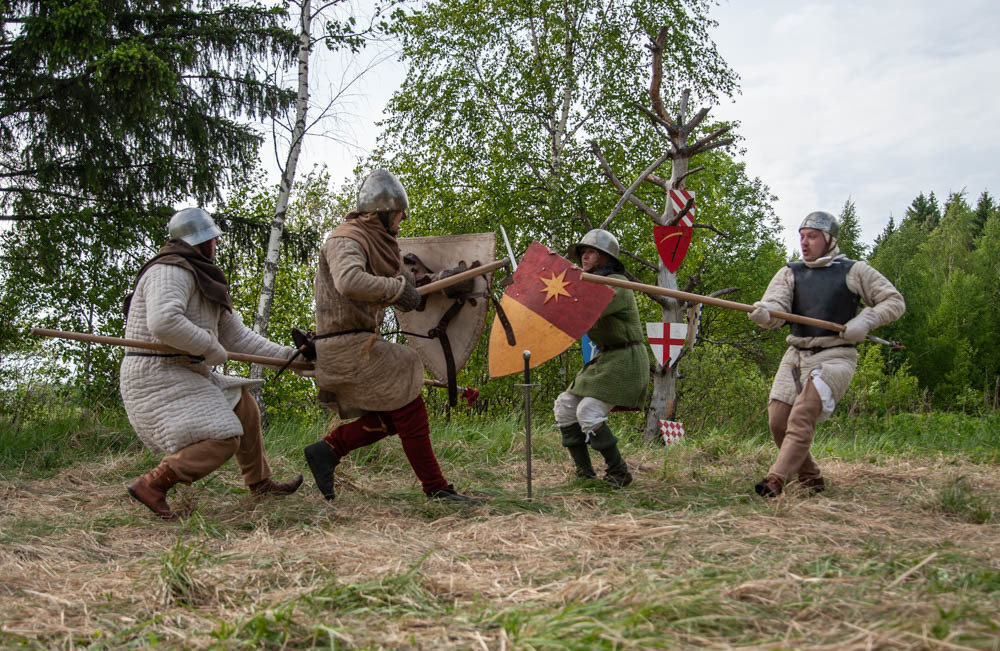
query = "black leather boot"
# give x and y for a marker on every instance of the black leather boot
(605, 442)
(322, 462)
(575, 442)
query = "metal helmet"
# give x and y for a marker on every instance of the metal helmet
(599, 239)
(193, 225)
(382, 192)
(822, 221)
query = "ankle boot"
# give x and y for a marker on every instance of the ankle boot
(151, 489)
(770, 487)
(605, 442)
(452, 496)
(581, 459)
(271, 487)
(322, 462)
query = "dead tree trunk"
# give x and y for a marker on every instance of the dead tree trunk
(678, 129)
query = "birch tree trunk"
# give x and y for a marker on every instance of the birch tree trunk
(263, 314)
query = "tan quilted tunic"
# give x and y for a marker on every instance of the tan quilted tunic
(359, 372)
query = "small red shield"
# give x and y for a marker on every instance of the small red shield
(672, 242)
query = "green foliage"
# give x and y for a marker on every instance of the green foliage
(946, 268)
(126, 102)
(876, 388)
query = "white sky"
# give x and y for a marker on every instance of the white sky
(873, 101)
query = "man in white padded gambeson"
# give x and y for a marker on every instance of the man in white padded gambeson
(175, 403)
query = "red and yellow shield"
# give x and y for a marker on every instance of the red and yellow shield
(548, 307)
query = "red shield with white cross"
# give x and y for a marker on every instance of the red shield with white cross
(671, 431)
(678, 201)
(672, 243)
(666, 340)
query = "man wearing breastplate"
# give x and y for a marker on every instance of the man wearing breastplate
(360, 374)
(617, 376)
(175, 403)
(817, 368)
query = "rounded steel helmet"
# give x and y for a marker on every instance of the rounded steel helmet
(382, 192)
(599, 239)
(192, 225)
(822, 221)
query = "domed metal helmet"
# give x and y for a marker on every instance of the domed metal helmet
(192, 225)
(599, 239)
(822, 221)
(382, 192)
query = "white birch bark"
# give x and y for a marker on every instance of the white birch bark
(266, 300)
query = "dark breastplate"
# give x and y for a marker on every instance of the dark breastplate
(822, 293)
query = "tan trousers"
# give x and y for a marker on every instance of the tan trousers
(199, 459)
(792, 427)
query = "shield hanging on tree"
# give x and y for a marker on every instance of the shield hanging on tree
(548, 307)
(672, 243)
(444, 330)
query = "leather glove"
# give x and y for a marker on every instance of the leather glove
(760, 316)
(215, 354)
(856, 329)
(409, 299)
(459, 289)
(305, 343)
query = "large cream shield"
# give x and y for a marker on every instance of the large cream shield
(445, 330)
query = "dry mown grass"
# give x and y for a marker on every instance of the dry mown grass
(685, 557)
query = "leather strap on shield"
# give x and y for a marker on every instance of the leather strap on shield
(444, 330)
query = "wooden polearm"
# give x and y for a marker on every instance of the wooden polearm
(164, 348)
(438, 285)
(710, 300)
(161, 347)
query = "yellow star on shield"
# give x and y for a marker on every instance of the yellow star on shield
(555, 286)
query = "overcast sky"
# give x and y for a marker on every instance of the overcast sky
(872, 101)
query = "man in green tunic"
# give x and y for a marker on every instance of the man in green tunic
(618, 375)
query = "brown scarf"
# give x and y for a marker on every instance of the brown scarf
(210, 279)
(379, 244)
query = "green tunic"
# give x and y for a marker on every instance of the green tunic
(619, 375)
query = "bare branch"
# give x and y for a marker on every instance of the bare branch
(657, 78)
(695, 121)
(709, 138)
(649, 265)
(684, 105)
(639, 203)
(664, 122)
(581, 214)
(715, 145)
(655, 180)
(712, 228)
(723, 292)
(635, 184)
(689, 173)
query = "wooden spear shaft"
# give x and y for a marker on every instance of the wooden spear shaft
(709, 300)
(438, 285)
(160, 347)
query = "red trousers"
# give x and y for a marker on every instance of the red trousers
(410, 424)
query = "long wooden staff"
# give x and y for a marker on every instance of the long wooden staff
(159, 347)
(721, 302)
(464, 275)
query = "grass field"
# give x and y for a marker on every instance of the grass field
(902, 551)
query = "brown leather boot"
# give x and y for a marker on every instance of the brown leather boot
(151, 489)
(270, 487)
(770, 486)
